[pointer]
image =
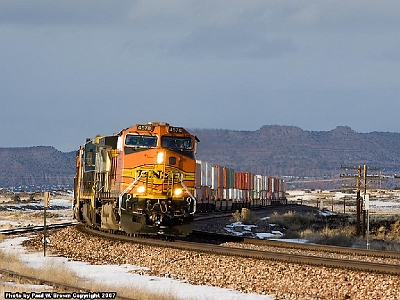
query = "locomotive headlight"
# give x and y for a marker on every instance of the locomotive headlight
(178, 192)
(160, 157)
(141, 189)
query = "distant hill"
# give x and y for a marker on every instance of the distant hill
(36, 166)
(271, 150)
(291, 151)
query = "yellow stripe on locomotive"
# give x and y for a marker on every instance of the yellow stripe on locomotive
(159, 182)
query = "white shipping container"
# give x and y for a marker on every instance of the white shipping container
(203, 173)
(225, 195)
(198, 174)
(230, 193)
(235, 195)
(264, 183)
(263, 195)
(240, 195)
(257, 183)
(214, 178)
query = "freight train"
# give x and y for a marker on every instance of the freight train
(146, 180)
(221, 188)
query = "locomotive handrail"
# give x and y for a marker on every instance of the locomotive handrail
(126, 190)
(190, 194)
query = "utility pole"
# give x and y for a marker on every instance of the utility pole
(365, 192)
(366, 206)
(358, 202)
(362, 181)
(46, 204)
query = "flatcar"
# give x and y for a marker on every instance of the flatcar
(139, 181)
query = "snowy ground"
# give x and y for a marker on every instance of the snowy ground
(23, 214)
(381, 201)
(32, 213)
(110, 275)
(119, 276)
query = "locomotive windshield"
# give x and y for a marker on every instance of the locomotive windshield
(176, 143)
(141, 141)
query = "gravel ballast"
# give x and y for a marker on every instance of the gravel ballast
(283, 280)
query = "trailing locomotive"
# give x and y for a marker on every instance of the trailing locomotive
(140, 181)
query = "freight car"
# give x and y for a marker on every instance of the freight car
(220, 188)
(146, 180)
(140, 181)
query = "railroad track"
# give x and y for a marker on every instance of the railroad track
(324, 248)
(257, 254)
(277, 254)
(35, 228)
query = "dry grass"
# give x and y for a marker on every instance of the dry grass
(245, 216)
(342, 237)
(384, 234)
(58, 272)
(293, 220)
(304, 226)
(33, 217)
(53, 272)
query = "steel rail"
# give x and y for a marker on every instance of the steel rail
(35, 228)
(298, 246)
(325, 248)
(55, 284)
(256, 254)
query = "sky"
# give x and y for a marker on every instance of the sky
(76, 69)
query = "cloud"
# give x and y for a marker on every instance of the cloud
(83, 62)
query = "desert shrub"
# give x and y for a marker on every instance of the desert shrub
(293, 221)
(245, 216)
(395, 230)
(342, 237)
(386, 230)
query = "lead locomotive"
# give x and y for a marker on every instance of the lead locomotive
(140, 181)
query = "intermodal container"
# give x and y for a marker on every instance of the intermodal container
(198, 174)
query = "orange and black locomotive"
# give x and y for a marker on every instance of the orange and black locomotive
(140, 181)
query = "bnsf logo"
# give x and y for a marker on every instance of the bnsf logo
(159, 174)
